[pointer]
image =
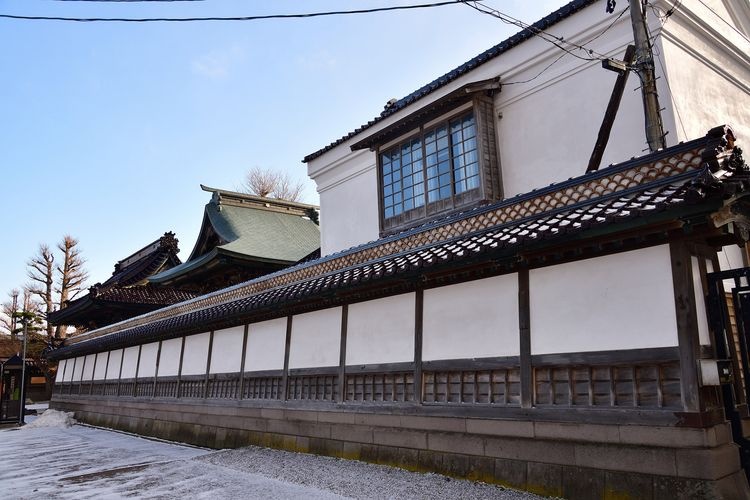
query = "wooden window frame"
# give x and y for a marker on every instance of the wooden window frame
(490, 185)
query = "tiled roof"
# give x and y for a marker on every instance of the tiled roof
(507, 44)
(694, 176)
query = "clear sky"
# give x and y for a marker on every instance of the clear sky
(107, 129)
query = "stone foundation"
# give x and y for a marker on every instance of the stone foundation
(573, 460)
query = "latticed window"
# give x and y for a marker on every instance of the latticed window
(436, 171)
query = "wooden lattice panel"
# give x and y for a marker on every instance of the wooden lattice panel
(380, 387)
(313, 387)
(262, 388)
(494, 387)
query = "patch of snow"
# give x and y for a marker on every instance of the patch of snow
(52, 418)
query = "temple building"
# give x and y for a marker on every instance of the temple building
(585, 338)
(242, 237)
(127, 292)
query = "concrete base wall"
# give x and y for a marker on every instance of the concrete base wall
(572, 460)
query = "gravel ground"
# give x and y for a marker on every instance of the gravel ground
(82, 462)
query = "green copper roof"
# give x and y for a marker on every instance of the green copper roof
(250, 228)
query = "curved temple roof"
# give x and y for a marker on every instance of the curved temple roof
(691, 180)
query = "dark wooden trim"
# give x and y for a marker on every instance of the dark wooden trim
(524, 331)
(156, 370)
(489, 363)
(137, 369)
(208, 362)
(241, 389)
(119, 373)
(404, 366)
(287, 345)
(224, 376)
(418, 337)
(106, 366)
(316, 370)
(341, 393)
(264, 373)
(83, 371)
(687, 326)
(93, 373)
(179, 369)
(622, 356)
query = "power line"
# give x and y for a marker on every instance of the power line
(242, 18)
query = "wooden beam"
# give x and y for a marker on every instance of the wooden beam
(342, 354)
(241, 388)
(418, 333)
(687, 324)
(208, 363)
(524, 329)
(137, 369)
(179, 368)
(287, 345)
(156, 371)
(611, 112)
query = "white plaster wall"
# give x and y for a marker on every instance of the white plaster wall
(316, 339)
(704, 334)
(266, 342)
(147, 366)
(620, 301)
(381, 331)
(115, 360)
(351, 214)
(471, 320)
(78, 369)
(169, 361)
(88, 367)
(129, 362)
(226, 353)
(71, 369)
(730, 257)
(60, 374)
(196, 354)
(100, 370)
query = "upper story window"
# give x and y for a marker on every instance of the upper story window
(447, 165)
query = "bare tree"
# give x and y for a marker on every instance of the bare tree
(41, 271)
(7, 316)
(272, 184)
(70, 276)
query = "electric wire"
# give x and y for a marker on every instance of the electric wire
(240, 18)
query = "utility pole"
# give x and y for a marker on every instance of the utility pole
(644, 67)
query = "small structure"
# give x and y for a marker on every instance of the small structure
(11, 399)
(242, 237)
(127, 292)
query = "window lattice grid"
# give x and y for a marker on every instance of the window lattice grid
(403, 184)
(465, 157)
(438, 162)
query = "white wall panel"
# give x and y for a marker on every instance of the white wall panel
(266, 342)
(129, 362)
(381, 331)
(169, 361)
(620, 301)
(196, 354)
(70, 371)
(226, 353)
(88, 367)
(100, 370)
(476, 319)
(316, 339)
(147, 366)
(704, 334)
(78, 369)
(60, 374)
(115, 360)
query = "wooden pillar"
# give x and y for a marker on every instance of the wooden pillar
(208, 363)
(287, 345)
(137, 369)
(687, 324)
(93, 374)
(119, 373)
(179, 368)
(418, 330)
(342, 354)
(524, 329)
(83, 371)
(241, 388)
(156, 371)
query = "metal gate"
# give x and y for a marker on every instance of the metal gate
(729, 317)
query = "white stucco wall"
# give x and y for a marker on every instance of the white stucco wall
(88, 367)
(60, 374)
(704, 333)
(226, 352)
(471, 320)
(75, 374)
(100, 370)
(129, 362)
(266, 342)
(147, 366)
(113, 368)
(620, 301)
(195, 358)
(381, 331)
(316, 339)
(169, 361)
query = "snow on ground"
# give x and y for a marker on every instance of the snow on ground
(51, 418)
(82, 462)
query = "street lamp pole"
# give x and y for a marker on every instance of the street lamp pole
(22, 411)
